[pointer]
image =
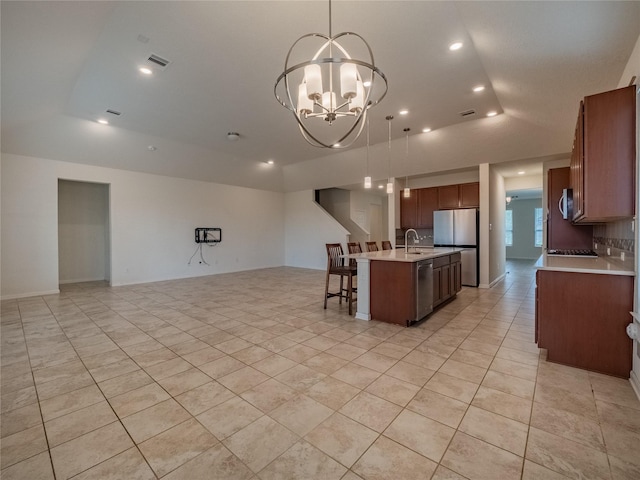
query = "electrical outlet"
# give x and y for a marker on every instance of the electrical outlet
(622, 256)
(608, 250)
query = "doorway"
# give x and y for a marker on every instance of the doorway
(84, 247)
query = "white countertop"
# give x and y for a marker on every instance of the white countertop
(600, 265)
(398, 254)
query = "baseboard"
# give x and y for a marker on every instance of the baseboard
(497, 280)
(30, 294)
(82, 280)
(635, 383)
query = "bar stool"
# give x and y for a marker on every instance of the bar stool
(371, 246)
(336, 266)
(386, 245)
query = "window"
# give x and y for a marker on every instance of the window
(538, 227)
(508, 228)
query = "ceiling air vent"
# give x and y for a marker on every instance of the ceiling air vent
(468, 113)
(114, 112)
(157, 61)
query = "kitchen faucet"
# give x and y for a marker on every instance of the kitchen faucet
(406, 237)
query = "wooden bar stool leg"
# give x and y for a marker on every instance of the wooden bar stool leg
(350, 292)
(326, 289)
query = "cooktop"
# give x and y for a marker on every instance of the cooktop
(571, 253)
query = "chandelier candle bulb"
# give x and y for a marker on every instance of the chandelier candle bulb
(357, 102)
(348, 80)
(329, 102)
(313, 79)
(305, 104)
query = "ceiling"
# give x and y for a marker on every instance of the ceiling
(64, 64)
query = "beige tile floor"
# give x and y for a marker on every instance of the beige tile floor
(245, 376)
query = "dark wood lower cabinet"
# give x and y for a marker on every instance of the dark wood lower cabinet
(393, 291)
(581, 320)
(447, 278)
(392, 287)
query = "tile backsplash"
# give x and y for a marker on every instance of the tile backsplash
(616, 241)
(425, 236)
(618, 235)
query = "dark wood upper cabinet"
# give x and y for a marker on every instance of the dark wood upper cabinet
(448, 197)
(561, 233)
(409, 210)
(469, 195)
(464, 195)
(603, 161)
(417, 210)
(427, 204)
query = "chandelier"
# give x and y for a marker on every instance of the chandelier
(330, 94)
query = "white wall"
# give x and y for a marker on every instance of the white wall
(523, 229)
(308, 228)
(492, 247)
(152, 225)
(83, 231)
(497, 253)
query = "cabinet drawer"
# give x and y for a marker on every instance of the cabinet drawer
(441, 261)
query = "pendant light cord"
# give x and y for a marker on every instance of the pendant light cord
(367, 174)
(390, 117)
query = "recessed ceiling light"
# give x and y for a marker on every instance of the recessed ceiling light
(521, 172)
(152, 148)
(380, 186)
(479, 88)
(103, 121)
(270, 162)
(455, 46)
(426, 130)
(403, 112)
(145, 70)
(492, 114)
(336, 145)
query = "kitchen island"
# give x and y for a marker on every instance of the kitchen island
(402, 287)
(582, 310)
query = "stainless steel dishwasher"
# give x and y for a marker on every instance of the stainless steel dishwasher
(424, 289)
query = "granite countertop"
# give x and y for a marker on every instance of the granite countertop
(398, 254)
(601, 265)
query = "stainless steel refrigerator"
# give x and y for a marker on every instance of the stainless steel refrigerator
(459, 228)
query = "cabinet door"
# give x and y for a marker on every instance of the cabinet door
(577, 166)
(427, 204)
(445, 284)
(537, 308)
(455, 278)
(448, 197)
(437, 281)
(469, 195)
(608, 191)
(409, 211)
(582, 319)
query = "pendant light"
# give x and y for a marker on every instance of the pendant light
(407, 191)
(367, 178)
(389, 182)
(335, 87)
